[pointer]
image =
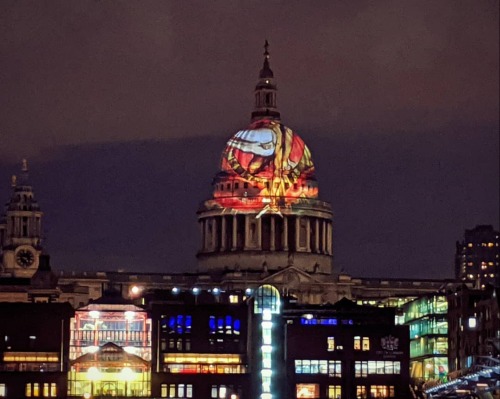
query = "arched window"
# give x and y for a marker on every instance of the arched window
(269, 99)
(267, 297)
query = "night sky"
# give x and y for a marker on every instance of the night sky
(123, 108)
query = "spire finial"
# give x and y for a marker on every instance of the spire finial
(265, 91)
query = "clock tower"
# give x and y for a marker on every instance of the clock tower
(20, 229)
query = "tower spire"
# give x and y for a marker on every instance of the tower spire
(265, 92)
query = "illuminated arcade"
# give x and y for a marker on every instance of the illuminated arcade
(265, 212)
(110, 351)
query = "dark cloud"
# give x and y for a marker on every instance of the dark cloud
(94, 71)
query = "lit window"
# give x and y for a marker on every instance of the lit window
(331, 367)
(28, 390)
(334, 391)
(233, 299)
(360, 392)
(36, 389)
(365, 343)
(382, 391)
(330, 344)
(307, 390)
(224, 391)
(3, 391)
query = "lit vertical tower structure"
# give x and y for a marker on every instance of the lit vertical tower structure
(265, 213)
(477, 257)
(21, 229)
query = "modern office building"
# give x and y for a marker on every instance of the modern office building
(345, 351)
(427, 318)
(477, 258)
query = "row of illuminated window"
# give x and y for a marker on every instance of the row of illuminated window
(31, 357)
(197, 358)
(428, 326)
(182, 324)
(110, 335)
(310, 320)
(224, 325)
(359, 344)
(483, 244)
(186, 391)
(364, 368)
(312, 391)
(483, 264)
(429, 346)
(101, 322)
(35, 389)
(182, 368)
(29, 367)
(236, 186)
(425, 306)
(332, 368)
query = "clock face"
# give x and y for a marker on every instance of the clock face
(25, 258)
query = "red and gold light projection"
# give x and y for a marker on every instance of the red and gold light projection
(266, 166)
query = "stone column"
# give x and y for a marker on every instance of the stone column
(323, 236)
(285, 233)
(297, 233)
(206, 241)
(235, 233)
(272, 234)
(202, 234)
(316, 235)
(329, 238)
(223, 238)
(308, 234)
(247, 232)
(259, 233)
(214, 233)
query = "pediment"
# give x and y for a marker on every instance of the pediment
(291, 277)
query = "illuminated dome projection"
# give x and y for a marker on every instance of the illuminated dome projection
(264, 213)
(266, 166)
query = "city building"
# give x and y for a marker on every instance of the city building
(474, 326)
(477, 258)
(352, 351)
(34, 349)
(427, 318)
(234, 327)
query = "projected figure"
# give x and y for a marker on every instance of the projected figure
(270, 155)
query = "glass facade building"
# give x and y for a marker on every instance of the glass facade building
(427, 319)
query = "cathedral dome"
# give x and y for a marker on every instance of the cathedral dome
(266, 161)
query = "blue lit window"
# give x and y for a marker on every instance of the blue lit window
(178, 324)
(224, 325)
